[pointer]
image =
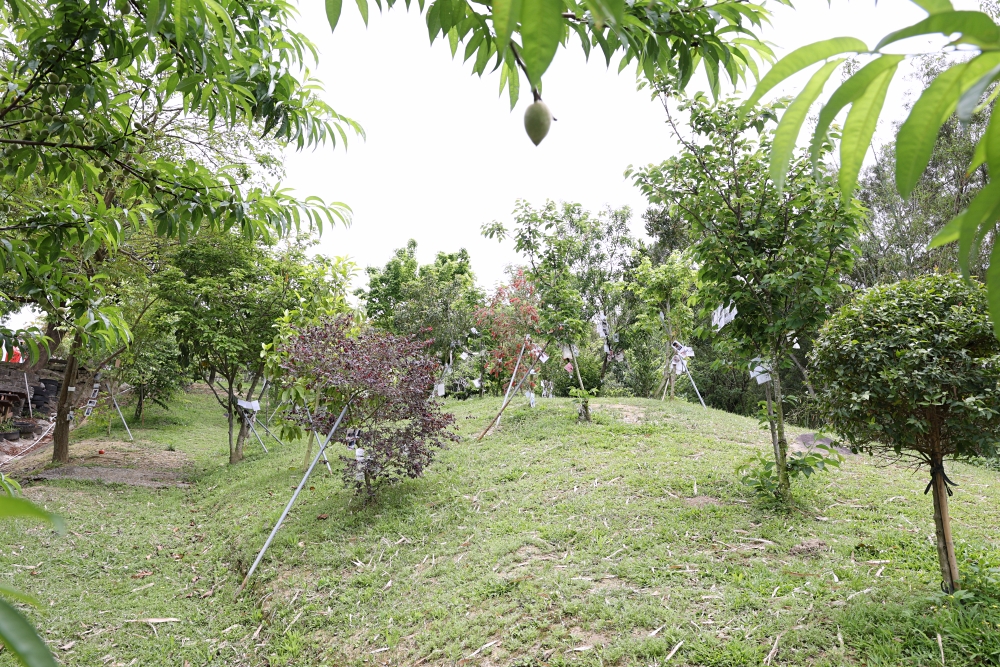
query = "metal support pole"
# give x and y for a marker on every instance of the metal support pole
(496, 420)
(276, 408)
(517, 365)
(250, 424)
(27, 389)
(268, 431)
(113, 400)
(695, 386)
(295, 495)
(325, 460)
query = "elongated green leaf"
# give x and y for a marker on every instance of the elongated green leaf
(934, 6)
(916, 137)
(975, 27)
(949, 233)
(14, 594)
(153, 17)
(179, 25)
(798, 60)
(21, 508)
(969, 101)
(363, 8)
(616, 9)
(541, 31)
(333, 9)
(22, 640)
(858, 130)
(979, 156)
(506, 15)
(993, 288)
(982, 214)
(991, 144)
(787, 133)
(848, 92)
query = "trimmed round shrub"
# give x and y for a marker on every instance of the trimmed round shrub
(911, 370)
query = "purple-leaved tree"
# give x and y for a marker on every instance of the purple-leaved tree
(391, 424)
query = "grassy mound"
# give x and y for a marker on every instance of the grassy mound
(622, 542)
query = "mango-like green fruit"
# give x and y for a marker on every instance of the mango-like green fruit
(537, 121)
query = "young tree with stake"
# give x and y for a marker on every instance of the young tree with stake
(776, 254)
(912, 370)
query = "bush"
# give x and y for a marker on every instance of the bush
(384, 380)
(562, 382)
(912, 370)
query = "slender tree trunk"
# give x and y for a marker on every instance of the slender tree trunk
(60, 436)
(942, 528)
(781, 450)
(670, 352)
(585, 401)
(244, 432)
(235, 445)
(805, 374)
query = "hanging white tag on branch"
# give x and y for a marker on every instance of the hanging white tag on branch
(723, 315)
(760, 371)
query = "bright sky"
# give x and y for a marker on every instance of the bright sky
(444, 154)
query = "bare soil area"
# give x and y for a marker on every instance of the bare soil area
(111, 462)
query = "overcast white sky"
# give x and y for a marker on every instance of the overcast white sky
(444, 154)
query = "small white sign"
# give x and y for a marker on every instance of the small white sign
(463, 356)
(440, 388)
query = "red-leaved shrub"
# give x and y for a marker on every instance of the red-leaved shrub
(387, 379)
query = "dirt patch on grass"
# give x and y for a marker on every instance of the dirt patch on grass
(808, 548)
(701, 501)
(131, 463)
(630, 414)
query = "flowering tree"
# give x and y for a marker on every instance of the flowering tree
(508, 317)
(383, 380)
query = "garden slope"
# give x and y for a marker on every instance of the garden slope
(548, 543)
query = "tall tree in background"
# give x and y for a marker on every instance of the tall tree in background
(964, 87)
(435, 302)
(775, 254)
(227, 295)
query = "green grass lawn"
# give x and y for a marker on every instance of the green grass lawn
(548, 543)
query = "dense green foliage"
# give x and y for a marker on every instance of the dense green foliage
(226, 296)
(105, 112)
(435, 302)
(658, 36)
(913, 369)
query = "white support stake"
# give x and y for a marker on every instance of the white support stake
(113, 400)
(27, 389)
(295, 495)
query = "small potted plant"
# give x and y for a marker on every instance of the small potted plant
(8, 431)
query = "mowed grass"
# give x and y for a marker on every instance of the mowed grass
(550, 542)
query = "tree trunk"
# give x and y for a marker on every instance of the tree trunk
(235, 446)
(585, 401)
(670, 352)
(60, 437)
(781, 450)
(241, 439)
(140, 399)
(942, 528)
